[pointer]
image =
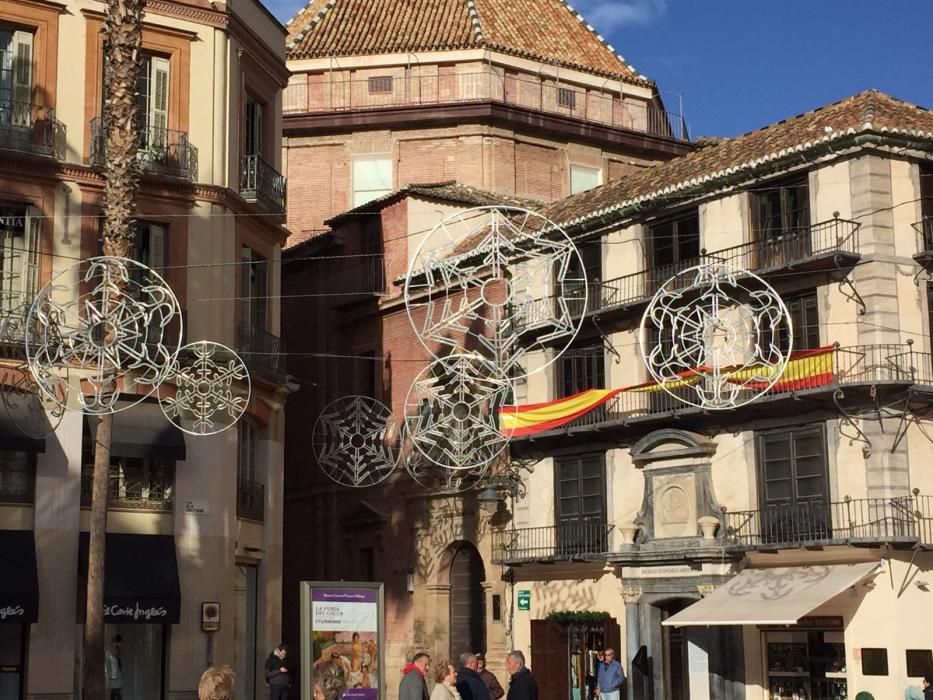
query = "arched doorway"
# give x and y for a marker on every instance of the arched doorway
(467, 601)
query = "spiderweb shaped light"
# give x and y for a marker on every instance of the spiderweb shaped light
(106, 328)
(501, 281)
(212, 389)
(716, 336)
(352, 441)
(452, 412)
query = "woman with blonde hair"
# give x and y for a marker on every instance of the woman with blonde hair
(446, 675)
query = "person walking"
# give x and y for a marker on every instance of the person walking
(609, 676)
(113, 668)
(522, 685)
(469, 683)
(445, 687)
(489, 678)
(279, 673)
(413, 685)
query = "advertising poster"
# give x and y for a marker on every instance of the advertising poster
(343, 631)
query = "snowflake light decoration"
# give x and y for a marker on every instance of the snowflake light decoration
(353, 443)
(104, 329)
(716, 336)
(212, 389)
(452, 412)
(485, 277)
(440, 481)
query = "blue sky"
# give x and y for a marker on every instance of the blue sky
(742, 64)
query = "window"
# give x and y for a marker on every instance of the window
(580, 369)
(17, 477)
(254, 290)
(591, 254)
(250, 492)
(782, 210)
(793, 480)
(19, 265)
(926, 207)
(149, 245)
(15, 78)
(581, 504)
(566, 97)
(380, 84)
(134, 483)
(804, 314)
(372, 178)
(246, 456)
(874, 662)
(673, 244)
(152, 95)
(252, 127)
(583, 178)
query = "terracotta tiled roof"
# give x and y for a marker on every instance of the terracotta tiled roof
(542, 30)
(731, 161)
(448, 191)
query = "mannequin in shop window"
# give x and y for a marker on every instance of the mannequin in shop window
(113, 668)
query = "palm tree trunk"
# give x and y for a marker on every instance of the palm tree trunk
(123, 40)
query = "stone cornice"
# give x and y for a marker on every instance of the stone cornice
(59, 7)
(161, 28)
(200, 15)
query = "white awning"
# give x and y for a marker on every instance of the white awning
(777, 596)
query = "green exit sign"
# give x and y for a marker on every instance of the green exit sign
(524, 600)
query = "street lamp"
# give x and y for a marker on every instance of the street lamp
(490, 498)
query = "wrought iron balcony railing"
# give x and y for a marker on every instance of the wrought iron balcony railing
(317, 94)
(907, 519)
(261, 350)
(31, 129)
(835, 242)
(576, 540)
(260, 182)
(134, 491)
(250, 500)
(159, 151)
(857, 365)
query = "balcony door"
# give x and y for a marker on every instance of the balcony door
(581, 504)
(15, 78)
(574, 289)
(794, 485)
(152, 95)
(673, 245)
(782, 224)
(19, 267)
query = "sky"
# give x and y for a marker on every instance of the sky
(738, 65)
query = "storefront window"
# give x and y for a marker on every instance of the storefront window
(12, 669)
(135, 660)
(807, 664)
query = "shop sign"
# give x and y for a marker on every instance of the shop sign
(197, 508)
(821, 622)
(14, 612)
(524, 600)
(135, 612)
(343, 639)
(667, 571)
(210, 617)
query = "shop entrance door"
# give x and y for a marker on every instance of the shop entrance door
(12, 661)
(135, 660)
(675, 654)
(467, 602)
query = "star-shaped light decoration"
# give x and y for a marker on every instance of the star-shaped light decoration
(352, 441)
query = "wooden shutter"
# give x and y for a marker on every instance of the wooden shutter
(157, 240)
(30, 253)
(158, 101)
(246, 257)
(22, 78)
(550, 659)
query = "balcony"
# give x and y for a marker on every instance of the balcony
(924, 254)
(250, 500)
(134, 489)
(856, 376)
(864, 521)
(828, 245)
(318, 95)
(572, 541)
(31, 128)
(260, 182)
(261, 351)
(17, 488)
(159, 151)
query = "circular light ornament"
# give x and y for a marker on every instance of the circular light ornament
(484, 277)
(716, 337)
(353, 443)
(440, 481)
(104, 329)
(452, 412)
(212, 389)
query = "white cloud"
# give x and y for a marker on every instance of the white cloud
(606, 15)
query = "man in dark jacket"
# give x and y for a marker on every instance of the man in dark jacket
(522, 685)
(413, 685)
(279, 672)
(469, 684)
(489, 678)
(928, 687)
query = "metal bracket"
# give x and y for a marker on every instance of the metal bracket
(920, 271)
(607, 344)
(850, 422)
(852, 294)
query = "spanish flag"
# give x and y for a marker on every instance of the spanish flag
(807, 369)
